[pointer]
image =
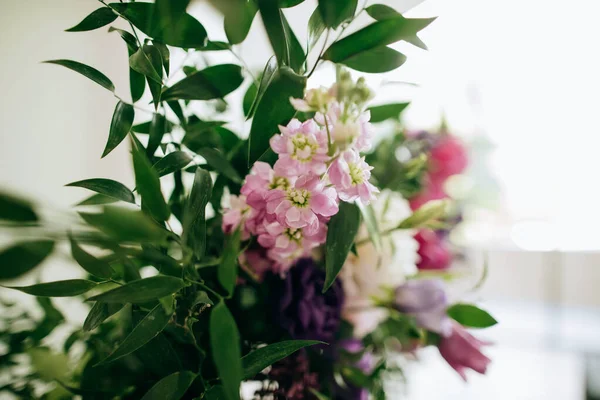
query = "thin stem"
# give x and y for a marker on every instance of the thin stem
(203, 286)
(176, 70)
(133, 105)
(241, 60)
(320, 54)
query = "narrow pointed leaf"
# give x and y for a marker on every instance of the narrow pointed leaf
(227, 271)
(370, 220)
(316, 27)
(272, 18)
(382, 12)
(334, 12)
(125, 225)
(265, 81)
(157, 131)
(211, 83)
(165, 55)
(274, 109)
(428, 212)
(148, 186)
(249, 98)
(120, 125)
(148, 62)
(68, 288)
(141, 291)
(194, 222)
(21, 258)
(471, 316)
(147, 329)
(172, 162)
(13, 208)
(261, 358)
(377, 60)
(238, 21)
(225, 346)
(99, 313)
(387, 111)
(86, 71)
(297, 56)
(91, 264)
(107, 187)
(97, 19)
(171, 387)
(217, 161)
(341, 233)
(96, 199)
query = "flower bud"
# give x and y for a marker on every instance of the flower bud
(344, 132)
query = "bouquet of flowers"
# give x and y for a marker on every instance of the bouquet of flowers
(284, 259)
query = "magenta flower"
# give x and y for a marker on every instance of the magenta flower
(462, 350)
(447, 157)
(302, 149)
(350, 174)
(433, 251)
(301, 205)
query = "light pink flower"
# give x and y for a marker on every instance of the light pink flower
(302, 149)
(259, 181)
(350, 174)
(237, 214)
(256, 262)
(301, 205)
(288, 240)
(351, 131)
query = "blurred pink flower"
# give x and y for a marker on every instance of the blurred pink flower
(302, 149)
(256, 262)
(236, 215)
(350, 174)
(355, 131)
(447, 157)
(432, 190)
(433, 251)
(462, 351)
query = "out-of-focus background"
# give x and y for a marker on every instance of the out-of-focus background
(517, 80)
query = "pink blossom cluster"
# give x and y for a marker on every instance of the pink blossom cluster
(287, 206)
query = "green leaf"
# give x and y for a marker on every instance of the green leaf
(274, 109)
(171, 387)
(165, 55)
(249, 98)
(428, 212)
(387, 111)
(107, 187)
(377, 60)
(217, 161)
(22, 257)
(370, 220)
(225, 346)
(381, 12)
(265, 81)
(319, 395)
(147, 329)
(227, 271)
(297, 56)
(177, 29)
(471, 316)
(238, 21)
(88, 262)
(97, 19)
(148, 62)
(16, 209)
(148, 186)
(215, 393)
(125, 225)
(144, 127)
(120, 125)
(216, 46)
(99, 313)
(378, 34)
(141, 291)
(96, 199)
(68, 288)
(137, 82)
(86, 71)
(158, 128)
(211, 83)
(316, 27)
(261, 358)
(194, 220)
(340, 236)
(334, 12)
(172, 162)
(273, 21)
(289, 3)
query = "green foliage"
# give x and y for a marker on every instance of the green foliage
(171, 387)
(471, 316)
(16, 209)
(125, 225)
(225, 345)
(148, 186)
(387, 111)
(334, 12)
(86, 71)
(97, 19)
(210, 83)
(172, 162)
(99, 313)
(91, 264)
(227, 272)
(194, 223)
(260, 359)
(106, 187)
(141, 291)
(68, 288)
(120, 125)
(22, 257)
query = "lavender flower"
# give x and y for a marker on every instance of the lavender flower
(366, 364)
(425, 300)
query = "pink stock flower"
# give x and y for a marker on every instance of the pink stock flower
(432, 190)
(356, 132)
(302, 149)
(261, 179)
(433, 251)
(288, 240)
(350, 174)
(255, 262)
(301, 205)
(237, 214)
(447, 157)
(462, 351)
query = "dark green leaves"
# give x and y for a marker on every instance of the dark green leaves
(174, 27)
(381, 11)
(377, 60)
(16, 209)
(86, 71)
(148, 186)
(158, 127)
(125, 225)
(91, 264)
(107, 187)
(147, 329)
(340, 236)
(334, 12)
(97, 19)
(387, 111)
(274, 109)
(211, 83)
(99, 313)
(316, 27)
(225, 346)
(238, 20)
(68, 288)
(172, 162)
(471, 316)
(119, 126)
(265, 81)
(141, 291)
(227, 271)
(218, 161)
(378, 34)
(23, 257)
(148, 62)
(171, 387)
(137, 82)
(194, 222)
(261, 358)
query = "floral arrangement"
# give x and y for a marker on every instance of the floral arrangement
(291, 259)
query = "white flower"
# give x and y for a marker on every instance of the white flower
(367, 275)
(344, 132)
